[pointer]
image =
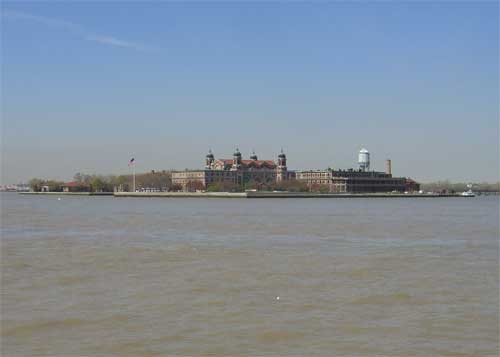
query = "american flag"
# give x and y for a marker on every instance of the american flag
(131, 162)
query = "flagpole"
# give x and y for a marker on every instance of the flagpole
(133, 174)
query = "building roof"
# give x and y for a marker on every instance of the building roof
(259, 163)
(75, 184)
(251, 163)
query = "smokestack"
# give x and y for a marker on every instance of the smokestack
(388, 169)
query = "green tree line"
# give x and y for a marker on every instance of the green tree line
(287, 185)
(156, 180)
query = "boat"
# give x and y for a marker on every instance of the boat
(468, 193)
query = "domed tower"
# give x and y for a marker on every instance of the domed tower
(282, 159)
(253, 156)
(236, 160)
(209, 161)
(281, 170)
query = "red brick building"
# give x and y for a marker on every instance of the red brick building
(75, 186)
(235, 171)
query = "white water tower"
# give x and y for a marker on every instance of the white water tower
(364, 160)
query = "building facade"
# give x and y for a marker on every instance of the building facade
(74, 186)
(235, 171)
(356, 181)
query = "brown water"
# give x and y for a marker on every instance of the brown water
(102, 276)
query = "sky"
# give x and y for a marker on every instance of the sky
(87, 86)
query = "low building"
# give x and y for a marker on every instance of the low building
(323, 178)
(356, 181)
(75, 186)
(412, 186)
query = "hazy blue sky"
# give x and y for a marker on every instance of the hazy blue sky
(87, 86)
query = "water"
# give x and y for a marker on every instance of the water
(102, 276)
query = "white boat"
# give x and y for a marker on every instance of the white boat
(468, 193)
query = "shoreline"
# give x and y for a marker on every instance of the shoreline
(242, 194)
(68, 193)
(276, 195)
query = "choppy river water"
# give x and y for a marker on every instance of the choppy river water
(103, 276)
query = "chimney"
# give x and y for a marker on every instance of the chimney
(388, 170)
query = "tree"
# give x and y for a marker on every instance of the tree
(194, 185)
(315, 187)
(54, 186)
(175, 187)
(36, 184)
(252, 185)
(120, 182)
(98, 184)
(324, 189)
(231, 187)
(154, 180)
(214, 187)
(83, 178)
(224, 186)
(289, 185)
(78, 177)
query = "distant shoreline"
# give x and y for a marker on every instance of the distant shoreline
(68, 193)
(275, 195)
(262, 194)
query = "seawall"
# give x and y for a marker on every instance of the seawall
(276, 195)
(183, 194)
(68, 193)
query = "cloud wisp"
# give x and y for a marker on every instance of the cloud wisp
(75, 29)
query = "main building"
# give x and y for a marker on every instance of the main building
(235, 171)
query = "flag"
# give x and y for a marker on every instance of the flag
(131, 162)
